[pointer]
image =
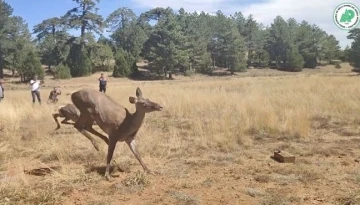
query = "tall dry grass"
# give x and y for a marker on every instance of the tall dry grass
(219, 115)
(212, 114)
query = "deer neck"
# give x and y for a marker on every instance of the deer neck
(136, 120)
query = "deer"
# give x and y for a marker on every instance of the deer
(115, 120)
(69, 112)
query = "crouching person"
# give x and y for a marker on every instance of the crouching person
(53, 95)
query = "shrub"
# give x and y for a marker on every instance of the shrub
(62, 72)
(189, 73)
(78, 61)
(335, 62)
(121, 68)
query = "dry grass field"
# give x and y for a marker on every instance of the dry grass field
(211, 144)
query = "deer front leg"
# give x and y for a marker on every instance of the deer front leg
(89, 128)
(55, 116)
(111, 148)
(132, 145)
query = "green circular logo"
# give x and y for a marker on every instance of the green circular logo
(346, 16)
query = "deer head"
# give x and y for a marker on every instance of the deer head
(143, 104)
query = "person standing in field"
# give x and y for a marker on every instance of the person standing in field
(1, 89)
(102, 83)
(35, 89)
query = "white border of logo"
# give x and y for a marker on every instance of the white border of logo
(341, 25)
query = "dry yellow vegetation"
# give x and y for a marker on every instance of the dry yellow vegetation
(210, 145)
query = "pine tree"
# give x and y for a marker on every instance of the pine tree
(121, 68)
(354, 56)
(31, 67)
(295, 62)
(166, 47)
(78, 61)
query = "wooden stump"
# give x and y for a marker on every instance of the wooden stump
(284, 157)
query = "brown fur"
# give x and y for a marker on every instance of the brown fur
(69, 112)
(115, 120)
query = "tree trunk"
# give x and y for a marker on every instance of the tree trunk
(250, 57)
(53, 30)
(83, 23)
(82, 30)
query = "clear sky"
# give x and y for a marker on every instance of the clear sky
(319, 12)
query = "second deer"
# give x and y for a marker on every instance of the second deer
(115, 120)
(69, 112)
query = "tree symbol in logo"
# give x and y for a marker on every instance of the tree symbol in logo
(347, 16)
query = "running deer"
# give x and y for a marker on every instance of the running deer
(69, 112)
(115, 120)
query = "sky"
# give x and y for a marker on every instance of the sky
(264, 11)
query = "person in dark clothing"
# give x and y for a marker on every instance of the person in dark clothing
(102, 83)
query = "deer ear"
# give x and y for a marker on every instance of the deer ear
(132, 100)
(138, 93)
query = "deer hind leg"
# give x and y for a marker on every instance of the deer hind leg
(80, 125)
(89, 128)
(67, 117)
(55, 116)
(65, 121)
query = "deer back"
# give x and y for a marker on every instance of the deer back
(107, 113)
(69, 111)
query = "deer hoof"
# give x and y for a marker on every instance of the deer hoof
(150, 172)
(108, 177)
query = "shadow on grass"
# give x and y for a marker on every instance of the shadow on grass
(147, 76)
(42, 171)
(101, 169)
(221, 74)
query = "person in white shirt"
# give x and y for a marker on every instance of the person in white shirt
(35, 89)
